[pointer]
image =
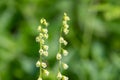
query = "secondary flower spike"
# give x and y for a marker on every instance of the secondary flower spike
(62, 52)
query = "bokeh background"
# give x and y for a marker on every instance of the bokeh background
(94, 38)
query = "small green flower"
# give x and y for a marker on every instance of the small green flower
(65, 66)
(58, 56)
(38, 64)
(39, 78)
(46, 72)
(65, 78)
(59, 76)
(65, 52)
(43, 64)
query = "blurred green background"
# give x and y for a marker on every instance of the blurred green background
(94, 38)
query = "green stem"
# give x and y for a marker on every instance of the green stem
(40, 63)
(59, 51)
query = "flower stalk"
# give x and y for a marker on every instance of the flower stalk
(43, 51)
(62, 52)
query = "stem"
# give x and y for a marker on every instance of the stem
(40, 62)
(59, 51)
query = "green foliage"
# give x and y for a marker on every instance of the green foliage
(94, 38)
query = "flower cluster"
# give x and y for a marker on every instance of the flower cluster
(65, 25)
(43, 51)
(62, 52)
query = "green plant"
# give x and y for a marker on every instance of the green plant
(62, 42)
(43, 35)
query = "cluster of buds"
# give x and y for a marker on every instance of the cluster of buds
(43, 51)
(61, 77)
(65, 25)
(62, 52)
